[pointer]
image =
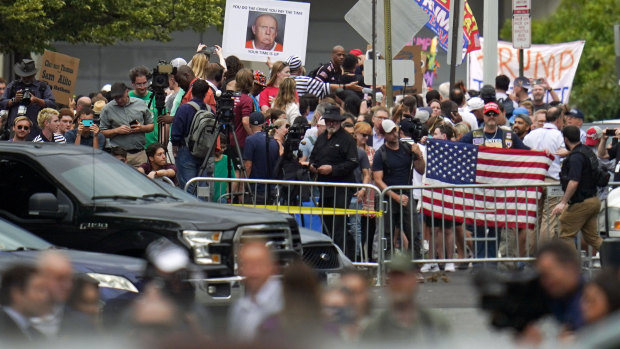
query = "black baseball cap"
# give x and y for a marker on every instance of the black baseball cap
(257, 118)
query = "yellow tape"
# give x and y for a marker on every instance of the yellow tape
(322, 211)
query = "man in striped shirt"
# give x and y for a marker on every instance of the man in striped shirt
(49, 123)
(314, 86)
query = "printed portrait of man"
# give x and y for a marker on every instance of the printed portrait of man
(267, 31)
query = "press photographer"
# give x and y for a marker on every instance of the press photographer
(27, 96)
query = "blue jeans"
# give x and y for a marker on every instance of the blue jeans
(355, 226)
(187, 166)
(486, 241)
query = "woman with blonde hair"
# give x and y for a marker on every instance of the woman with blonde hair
(461, 129)
(279, 71)
(279, 131)
(287, 99)
(200, 61)
(362, 131)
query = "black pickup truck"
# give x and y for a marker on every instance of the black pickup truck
(85, 199)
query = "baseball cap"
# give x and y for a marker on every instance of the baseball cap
(177, 62)
(118, 89)
(257, 118)
(106, 88)
(294, 62)
(593, 135)
(400, 263)
(475, 103)
(522, 81)
(423, 114)
(387, 126)
(575, 113)
(356, 52)
(491, 107)
(520, 111)
(487, 92)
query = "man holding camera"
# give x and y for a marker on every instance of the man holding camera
(125, 121)
(87, 133)
(27, 96)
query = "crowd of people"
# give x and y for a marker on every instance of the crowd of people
(289, 306)
(324, 125)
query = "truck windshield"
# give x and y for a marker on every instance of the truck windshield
(103, 177)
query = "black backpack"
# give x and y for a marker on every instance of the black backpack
(600, 176)
(508, 106)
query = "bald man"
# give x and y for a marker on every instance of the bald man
(57, 270)
(263, 292)
(332, 71)
(82, 102)
(265, 30)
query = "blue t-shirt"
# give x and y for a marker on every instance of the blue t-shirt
(495, 140)
(398, 163)
(255, 150)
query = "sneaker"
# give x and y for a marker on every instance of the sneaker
(450, 267)
(462, 266)
(429, 267)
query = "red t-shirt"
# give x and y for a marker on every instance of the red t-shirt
(209, 98)
(267, 96)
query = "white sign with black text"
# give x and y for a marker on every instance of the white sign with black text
(257, 30)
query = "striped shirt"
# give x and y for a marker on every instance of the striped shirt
(58, 138)
(308, 85)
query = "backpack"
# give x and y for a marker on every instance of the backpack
(508, 106)
(601, 177)
(201, 136)
(315, 71)
(387, 171)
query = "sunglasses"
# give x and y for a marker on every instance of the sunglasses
(287, 126)
(365, 135)
(26, 128)
(491, 114)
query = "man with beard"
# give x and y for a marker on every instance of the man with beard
(334, 159)
(404, 320)
(538, 94)
(522, 124)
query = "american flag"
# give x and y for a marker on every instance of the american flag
(454, 163)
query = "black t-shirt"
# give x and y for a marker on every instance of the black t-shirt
(580, 170)
(364, 164)
(398, 163)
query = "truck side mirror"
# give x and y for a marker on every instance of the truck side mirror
(44, 205)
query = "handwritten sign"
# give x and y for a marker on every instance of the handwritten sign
(60, 73)
(557, 63)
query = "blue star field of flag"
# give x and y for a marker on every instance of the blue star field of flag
(452, 162)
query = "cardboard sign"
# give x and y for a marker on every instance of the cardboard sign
(257, 30)
(60, 72)
(414, 53)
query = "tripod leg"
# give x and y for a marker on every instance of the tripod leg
(238, 149)
(205, 162)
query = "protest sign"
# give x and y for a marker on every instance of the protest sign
(60, 73)
(257, 30)
(557, 63)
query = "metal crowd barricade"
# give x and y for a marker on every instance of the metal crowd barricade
(332, 208)
(482, 223)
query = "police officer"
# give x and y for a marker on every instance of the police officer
(27, 96)
(334, 159)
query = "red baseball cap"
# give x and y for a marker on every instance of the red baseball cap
(356, 52)
(491, 107)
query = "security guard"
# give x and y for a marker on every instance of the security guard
(333, 159)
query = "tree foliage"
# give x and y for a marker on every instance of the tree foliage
(32, 25)
(595, 88)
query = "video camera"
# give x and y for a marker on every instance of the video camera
(414, 128)
(514, 300)
(295, 134)
(225, 102)
(159, 83)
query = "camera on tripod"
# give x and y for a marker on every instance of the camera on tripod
(159, 83)
(225, 102)
(294, 136)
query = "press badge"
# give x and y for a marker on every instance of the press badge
(478, 141)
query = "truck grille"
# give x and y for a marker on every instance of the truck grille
(277, 237)
(321, 256)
